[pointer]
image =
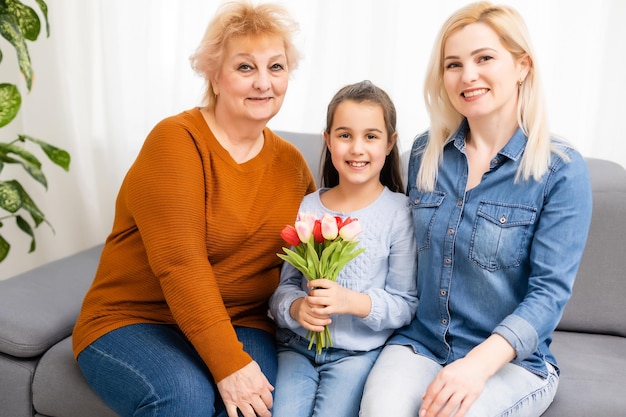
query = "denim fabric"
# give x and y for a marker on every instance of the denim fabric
(498, 258)
(400, 377)
(148, 370)
(324, 385)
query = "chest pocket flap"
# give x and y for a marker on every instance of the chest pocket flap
(507, 215)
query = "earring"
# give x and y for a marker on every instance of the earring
(519, 83)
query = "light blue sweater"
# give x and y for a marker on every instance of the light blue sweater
(386, 271)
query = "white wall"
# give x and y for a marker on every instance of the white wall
(112, 68)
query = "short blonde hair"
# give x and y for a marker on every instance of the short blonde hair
(531, 113)
(242, 19)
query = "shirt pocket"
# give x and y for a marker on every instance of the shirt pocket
(424, 207)
(501, 234)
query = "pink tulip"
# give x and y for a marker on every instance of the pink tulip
(330, 229)
(304, 230)
(350, 230)
(306, 217)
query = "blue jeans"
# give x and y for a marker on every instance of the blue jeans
(400, 377)
(145, 370)
(308, 384)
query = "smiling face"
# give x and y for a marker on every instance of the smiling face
(253, 79)
(480, 75)
(358, 142)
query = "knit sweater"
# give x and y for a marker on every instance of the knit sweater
(194, 240)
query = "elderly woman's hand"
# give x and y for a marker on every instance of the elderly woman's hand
(247, 390)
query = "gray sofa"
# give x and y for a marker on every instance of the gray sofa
(38, 375)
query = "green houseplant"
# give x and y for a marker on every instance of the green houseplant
(20, 23)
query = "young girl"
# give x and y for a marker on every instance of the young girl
(376, 292)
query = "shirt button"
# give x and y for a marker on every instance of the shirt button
(447, 261)
(502, 219)
(416, 201)
(444, 321)
(450, 231)
(443, 293)
(459, 203)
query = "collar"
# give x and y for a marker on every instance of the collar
(513, 149)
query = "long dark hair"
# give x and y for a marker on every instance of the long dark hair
(391, 174)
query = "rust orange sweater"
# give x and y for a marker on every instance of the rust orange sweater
(194, 240)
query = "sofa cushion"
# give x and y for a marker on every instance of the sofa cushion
(311, 146)
(592, 375)
(59, 388)
(597, 303)
(39, 307)
(16, 375)
(606, 175)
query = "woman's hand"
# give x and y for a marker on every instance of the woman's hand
(247, 390)
(456, 386)
(460, 383)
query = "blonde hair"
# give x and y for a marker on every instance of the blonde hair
(445, 119)
(242, 19)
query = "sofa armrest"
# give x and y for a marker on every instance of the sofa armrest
(39, 307)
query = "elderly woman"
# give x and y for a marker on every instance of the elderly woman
(175, 322)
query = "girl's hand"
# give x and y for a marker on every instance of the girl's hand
(327, 297)
(303, 312)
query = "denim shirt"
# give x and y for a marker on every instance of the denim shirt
(498, 258)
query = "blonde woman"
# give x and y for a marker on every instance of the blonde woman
(501, 211)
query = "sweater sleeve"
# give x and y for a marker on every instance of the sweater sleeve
(394, 305)
(166, 196)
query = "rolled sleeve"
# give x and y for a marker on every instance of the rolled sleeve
(520, 334)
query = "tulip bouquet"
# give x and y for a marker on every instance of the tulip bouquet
(321, 248)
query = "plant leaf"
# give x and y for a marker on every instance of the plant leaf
(10, 102)
(294, 259)
(326, 259)
(44, 10)
(27, 19)
(57, 155)
(6, 159)
(28, 161)
(20, 23)
(25, 227)
(7, 148)
(345, 260)
(4, 248)
(11, 31)
(13, 197)
(29, 205)
(313, 260)
(10, 196)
